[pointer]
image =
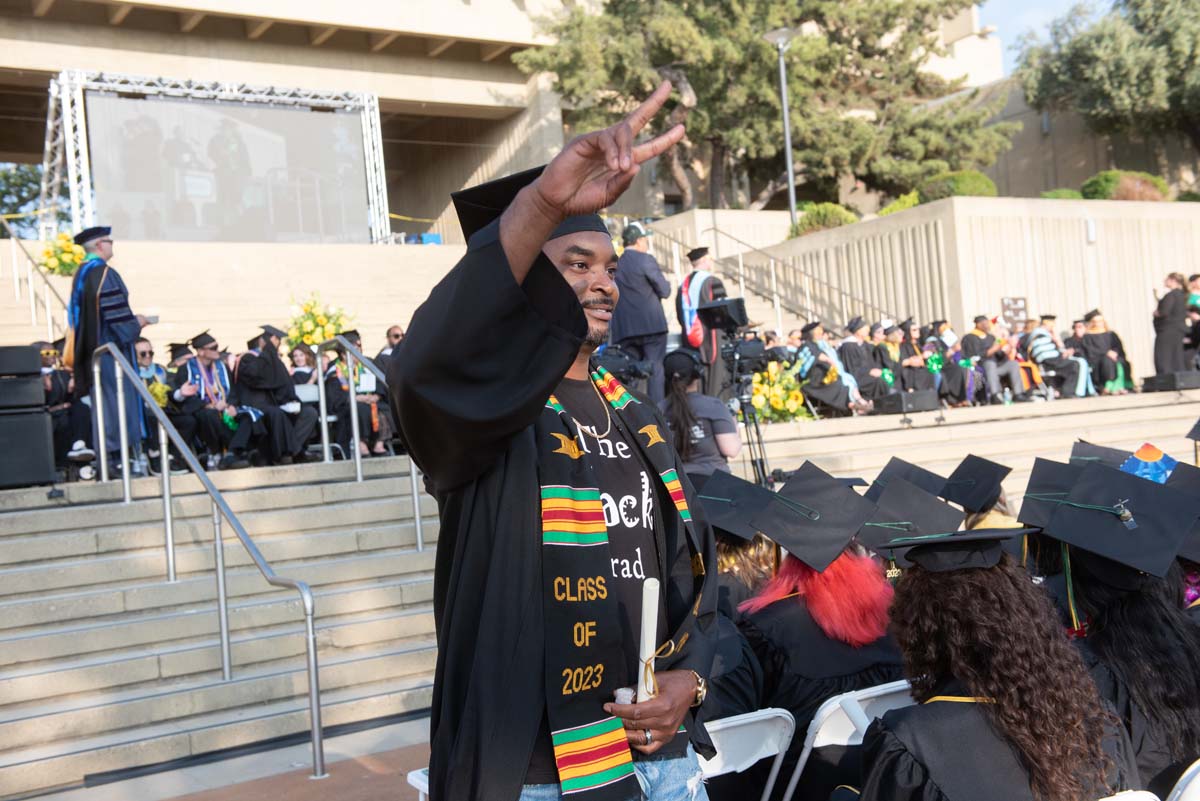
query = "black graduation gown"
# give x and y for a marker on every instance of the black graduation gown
(734, 688)
(955, 381)
(802, 669)
(913, 378)
(1169, 330)
(731, 592)
(1095, 350)
(835, 394)
(467, 391)
(858, 359)
(263, 382)
(949, 751)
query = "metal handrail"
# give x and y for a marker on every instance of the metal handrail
(354, 354)
(48, 290)
(166, 431)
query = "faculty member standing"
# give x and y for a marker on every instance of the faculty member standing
(639, 326)
(559, 493)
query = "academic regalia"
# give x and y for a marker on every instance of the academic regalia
(1170, 325)
(859, 360)
(214, 384)
(914, 378)
(956, 385)
(734, 688)
(337, 398)
(698, 288)
(818, 384)
(301, 375)
(471, 395)
(1106, 373)
(948, 750)
(263, 382)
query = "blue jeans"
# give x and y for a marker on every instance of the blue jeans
(662, 780)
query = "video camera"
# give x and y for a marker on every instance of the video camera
(622, 365)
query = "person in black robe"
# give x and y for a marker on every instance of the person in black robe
(375, 426)
(1004, 707)
(70, 420)
(263, 382)
(497, 409)
(914, 375)
(858, 358)
(956, 382)
(203, 389)
(699, 287)
(1170, 325)
(1105, 354)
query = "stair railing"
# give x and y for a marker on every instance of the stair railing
(354, 355)
(50, 310)
(220, 509)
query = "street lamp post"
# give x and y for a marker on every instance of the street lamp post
(781, 38)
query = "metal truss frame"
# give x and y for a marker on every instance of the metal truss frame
(67, 141)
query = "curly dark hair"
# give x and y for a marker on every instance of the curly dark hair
(1147, 640)
(997, 633)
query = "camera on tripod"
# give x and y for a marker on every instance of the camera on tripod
(743, 357)
(621, 364)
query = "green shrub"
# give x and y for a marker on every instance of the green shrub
(901, 203)
(1063, 194)
(1125, 185)
(964, 183)
(820, 216)
(1189, 197)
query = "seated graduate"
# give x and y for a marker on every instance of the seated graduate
(703, 430)
(914, 375)
(179, 353)
(1119, 535)
(819, 628)
(955, 383)
(263, 382)
(1105, 354)
(303, 369)
(857, 356)
(203, 389)
(157, 379)
(826, 378)
(977, 486)
(1005, 710)
(374, 418)
(887, 352)
(1072, 373)
(746, 559)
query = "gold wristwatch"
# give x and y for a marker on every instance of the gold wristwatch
(701, 689)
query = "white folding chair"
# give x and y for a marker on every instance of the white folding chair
(1188, 786)
(844, 719)
(742, 740)
(1132, 795)
(419, 780)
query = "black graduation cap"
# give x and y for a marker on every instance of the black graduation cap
(253, 342)
(975, 484)
(906, 325)
(696, 254)
(930, 482)
(1186, 478)
(941, 553)
(1194, 433)
(179, 350)
(479, 205)
(352, 334)
(855, 324)
(202, 340)
(729, 502)
(810, 326)
(907, 510)
(88, 234)
(1092, 315)
(59, 344)
(1084, 453)
(1125, 519)
(936, 324)
(814, 517)
(1049, 483)
(1042, 317)
(852, 481)
(272, 331)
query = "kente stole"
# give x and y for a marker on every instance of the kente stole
(584, 656)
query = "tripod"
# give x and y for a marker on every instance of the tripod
(756, 447)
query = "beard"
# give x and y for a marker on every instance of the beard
(595, 337)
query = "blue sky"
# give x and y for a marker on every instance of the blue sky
(1011, 18)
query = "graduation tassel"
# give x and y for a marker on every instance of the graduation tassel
(893, 571)
(1076, 629)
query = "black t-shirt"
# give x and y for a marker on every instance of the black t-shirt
(712, 417)
(627, 491)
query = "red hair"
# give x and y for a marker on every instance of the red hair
(849, 601)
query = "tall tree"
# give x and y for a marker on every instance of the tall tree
(20, 190)
(857, 88)
(1134, 70)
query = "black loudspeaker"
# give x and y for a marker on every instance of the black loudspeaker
(923, 400)
(1172, 382)
(22, 392)
(22, 360)
(26, 449)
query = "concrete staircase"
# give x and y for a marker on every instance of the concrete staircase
(15, 325)
(1012, 435)
(104, 665)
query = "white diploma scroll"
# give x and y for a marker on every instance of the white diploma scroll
(647, 646)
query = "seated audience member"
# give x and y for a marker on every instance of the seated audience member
(395, 335)
(826, 379)
(374, 429)
(1106, 356)
(703, 430)
(1075, 341)
(857, 356)
(913, 373)
(158, 380)
(819, 628)
(179, 353)
(71, 420)
(746, 559)
(956, 384)
(203, 389)
(1005, 710)
(887, 353)
(1046, 350)
(989, 353)
(795, 339)
(263, 382)
(303, 369)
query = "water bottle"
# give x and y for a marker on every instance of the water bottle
(1008, 397)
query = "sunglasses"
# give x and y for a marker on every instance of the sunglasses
(142, 353)
(396, 337)
(51, 352)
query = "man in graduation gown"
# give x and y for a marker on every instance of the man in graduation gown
(203, 389)
(98, 312)
(699, 287)
(264, 383)
(527, 452)
(858, 358)
(982, 346)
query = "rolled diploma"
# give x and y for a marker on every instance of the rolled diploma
(646, 646)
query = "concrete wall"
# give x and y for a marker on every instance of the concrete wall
(231, 288)
(726, 232)
(956, 258)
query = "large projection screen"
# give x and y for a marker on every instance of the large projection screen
(197, 170)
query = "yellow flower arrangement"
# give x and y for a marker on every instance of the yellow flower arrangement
(61, 256)
(314, 322)
(776, 394)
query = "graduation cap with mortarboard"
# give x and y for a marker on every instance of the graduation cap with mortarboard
(202, 340)
(907, 510)
(729, 502)
(478, 206)
(928, 481)
(253, 342)
(179, 350)
(1194, 433)
(696, 254)
(962, 550)
(1186, 479)
(975, 484)
(272, 331)
(814, 516)
(855, 324)
(1084, 453)
(1049, 483)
